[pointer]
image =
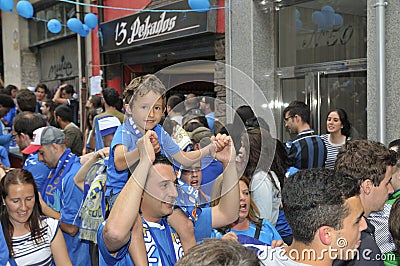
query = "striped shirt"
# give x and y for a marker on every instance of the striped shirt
(27, 252)
(306, 150)
(332, 151)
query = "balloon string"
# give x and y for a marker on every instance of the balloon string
(141, 10)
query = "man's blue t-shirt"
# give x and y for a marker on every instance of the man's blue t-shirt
(128, 134)
(165, 253)
(62, 195)
(39, 170)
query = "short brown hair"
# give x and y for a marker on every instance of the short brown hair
(365, 159)
(143, 85)
(394, 223)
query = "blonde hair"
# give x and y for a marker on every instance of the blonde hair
(254, 213)
(141, 86)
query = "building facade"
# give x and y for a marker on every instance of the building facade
(317, 51)
(322, 53)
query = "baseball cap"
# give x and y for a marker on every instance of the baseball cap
(200, 133)
(44, 136)
(108, 125)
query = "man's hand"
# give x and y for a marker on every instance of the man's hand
(231, 236)
(103, 153)
(225, 148)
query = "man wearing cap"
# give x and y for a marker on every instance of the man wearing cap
(107, 127)
(210, 168)
(23, 126)
(61, 199)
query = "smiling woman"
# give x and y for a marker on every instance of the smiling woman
(338, 132)
(21, 220)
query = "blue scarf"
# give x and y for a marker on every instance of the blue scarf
(156, 253)
(52, 187)
(93, 208)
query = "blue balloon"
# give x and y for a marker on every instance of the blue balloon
(74, 24)
(25, 9)
(318, 18)
(84, 31)
(7, 5)
(54, 26)
(338, 21)
(91, 20)
(328, 9)
(199, 5)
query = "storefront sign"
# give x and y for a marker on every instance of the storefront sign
(146, 28)
(328, 38)
(59, 61)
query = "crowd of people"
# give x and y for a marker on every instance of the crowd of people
(153, 180)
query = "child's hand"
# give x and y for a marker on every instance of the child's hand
(145, 147)
(155, 143)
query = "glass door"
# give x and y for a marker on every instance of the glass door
(323, 91)
(346, 90)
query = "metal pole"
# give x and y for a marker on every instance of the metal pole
(380, 69)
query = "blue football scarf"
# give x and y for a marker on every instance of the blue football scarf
(158, 254)
(93, 208)
(52, 187)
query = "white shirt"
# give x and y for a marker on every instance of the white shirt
(266, 196)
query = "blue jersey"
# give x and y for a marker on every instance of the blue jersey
(4, 254)
(128, 134)
(61, 194)
(39, 170)
(162, 243)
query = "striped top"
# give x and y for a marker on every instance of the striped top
(332, 151)
(27, 252)
(306, 151)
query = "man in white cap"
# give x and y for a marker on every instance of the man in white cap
(61, 198)
(107, 126)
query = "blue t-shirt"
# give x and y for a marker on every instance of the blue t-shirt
(4, 157)
(128, 134)
(10, 115)
(39, 170)
(211, 169)
(203, 225)
(61, 194)
(267, 232)
(210, 121)
(165, 253)
(3, 248)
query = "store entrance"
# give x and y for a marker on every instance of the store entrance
(325, 88)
